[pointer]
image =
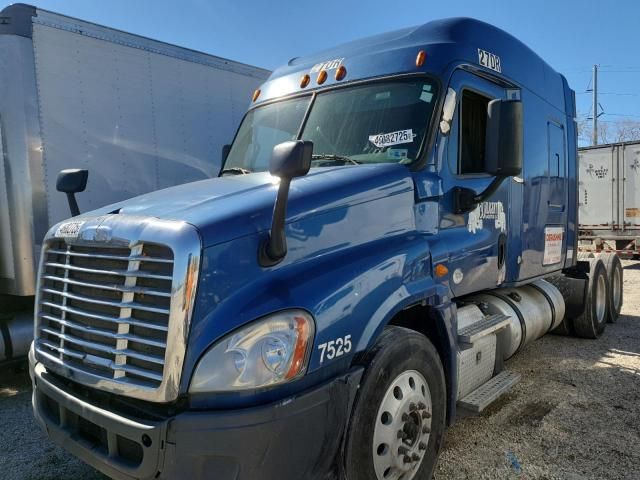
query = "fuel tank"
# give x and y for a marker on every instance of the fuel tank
(534, 310)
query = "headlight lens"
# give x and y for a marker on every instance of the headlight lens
(267, 352)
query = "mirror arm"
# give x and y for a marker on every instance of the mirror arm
(73, 204)
(490, 190)
(274, 249)
(466, 199)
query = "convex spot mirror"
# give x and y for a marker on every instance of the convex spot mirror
(291, 159)
(72, 180)
(503, 156)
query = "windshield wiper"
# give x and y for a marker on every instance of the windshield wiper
(235, 171)
(333, 158)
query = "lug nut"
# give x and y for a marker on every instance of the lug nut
(422, 446)
(405, 417)
(426, 429)
(421, 406)
(406, 459)
(415, 457)
(412, 407)
(426, 415)
(402, 450)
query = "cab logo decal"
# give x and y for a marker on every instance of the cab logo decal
(487, 211)
(489, 60)
(328, 65)
(69, 230)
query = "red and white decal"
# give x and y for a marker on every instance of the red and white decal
(553, 237)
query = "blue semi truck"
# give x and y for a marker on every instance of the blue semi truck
(395, 218)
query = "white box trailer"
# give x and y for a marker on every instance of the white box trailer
(609, 198)
(138, 114)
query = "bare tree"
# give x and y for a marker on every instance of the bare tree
(584, 130)
(627, 130)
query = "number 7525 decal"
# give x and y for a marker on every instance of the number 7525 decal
(335, 348)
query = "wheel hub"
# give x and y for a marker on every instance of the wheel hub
(402, 429)
(601, 298)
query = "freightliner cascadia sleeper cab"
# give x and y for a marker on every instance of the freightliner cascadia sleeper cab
(395, 218)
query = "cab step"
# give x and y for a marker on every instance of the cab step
(467, 336)
(489, 392)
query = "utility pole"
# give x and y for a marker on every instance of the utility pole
(595, 105)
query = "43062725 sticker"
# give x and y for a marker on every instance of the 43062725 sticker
(392, 138)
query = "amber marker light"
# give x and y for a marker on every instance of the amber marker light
(322, 77)
(341, 72)
(304, 81)
(441, 270)
(256, 94)
(420, 58)
(300, 351)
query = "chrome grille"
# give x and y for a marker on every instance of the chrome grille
(105, 310)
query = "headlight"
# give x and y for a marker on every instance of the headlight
(269, 351)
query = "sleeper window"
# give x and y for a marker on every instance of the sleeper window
(473, 130)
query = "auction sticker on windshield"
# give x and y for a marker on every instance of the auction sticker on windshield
(393, 138)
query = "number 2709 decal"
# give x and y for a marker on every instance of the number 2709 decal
(335, 348)
(489, 60)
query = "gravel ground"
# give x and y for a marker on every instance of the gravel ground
(575, 415)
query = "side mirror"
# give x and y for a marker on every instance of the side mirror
(289, 160)
(503, 155)
(503, 152)
(72, 181)
(225, 152)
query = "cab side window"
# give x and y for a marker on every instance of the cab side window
(473, 130)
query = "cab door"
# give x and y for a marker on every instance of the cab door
(477, 240)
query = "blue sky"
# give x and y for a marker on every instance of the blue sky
(571, 35)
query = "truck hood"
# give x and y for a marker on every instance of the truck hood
(233, 206)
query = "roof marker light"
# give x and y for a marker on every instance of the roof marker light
(322, 77)
(341, 72)
(256, 94)
(304, 81)
(420, 58)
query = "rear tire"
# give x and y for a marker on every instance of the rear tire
(613, 265)
(397, 425)
(591, 323)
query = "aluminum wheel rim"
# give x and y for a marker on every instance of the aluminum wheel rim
(617, 289)
(601, 298)
(403, 427)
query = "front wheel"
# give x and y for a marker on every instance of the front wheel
(398, 422)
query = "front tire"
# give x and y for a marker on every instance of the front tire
(398, 421)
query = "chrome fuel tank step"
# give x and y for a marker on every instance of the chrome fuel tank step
(489, 392)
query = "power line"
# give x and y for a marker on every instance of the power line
(613, 93)
(622, 115)
(621, 71)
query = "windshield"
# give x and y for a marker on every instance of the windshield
(382, 122)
